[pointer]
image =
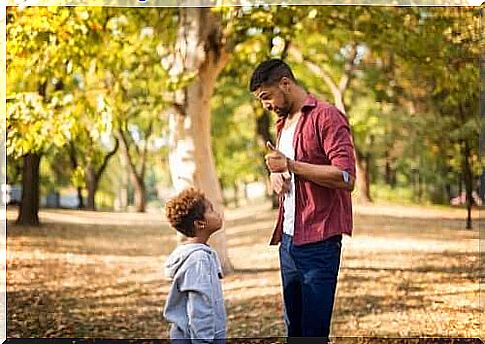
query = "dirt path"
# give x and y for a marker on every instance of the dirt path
(405, 272)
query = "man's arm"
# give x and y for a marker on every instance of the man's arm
(337, 146)
(324, 175)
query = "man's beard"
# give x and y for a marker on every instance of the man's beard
(283, 111)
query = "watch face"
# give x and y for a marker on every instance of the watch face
(346, 177)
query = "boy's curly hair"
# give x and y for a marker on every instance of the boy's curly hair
(185, 208)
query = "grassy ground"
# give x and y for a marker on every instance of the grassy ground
(405, 272)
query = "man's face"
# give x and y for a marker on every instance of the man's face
(275, 98)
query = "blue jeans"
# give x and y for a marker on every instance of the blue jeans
(309, 277)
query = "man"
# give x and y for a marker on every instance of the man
(313, 171)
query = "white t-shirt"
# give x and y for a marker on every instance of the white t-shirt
(285, 146)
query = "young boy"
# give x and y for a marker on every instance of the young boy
(195, 305)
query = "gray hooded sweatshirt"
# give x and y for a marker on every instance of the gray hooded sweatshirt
(195, 304)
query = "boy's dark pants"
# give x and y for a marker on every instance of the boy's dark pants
(309, 276)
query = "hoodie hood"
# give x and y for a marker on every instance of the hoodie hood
(180, 255)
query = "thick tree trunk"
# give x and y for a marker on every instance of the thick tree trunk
(191, 158)
(29, 207)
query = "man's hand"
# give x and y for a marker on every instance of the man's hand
(275, 160)
(280, 182)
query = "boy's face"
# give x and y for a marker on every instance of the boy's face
(212, 218)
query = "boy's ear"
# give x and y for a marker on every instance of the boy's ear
(199, 224)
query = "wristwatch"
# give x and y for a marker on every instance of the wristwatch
(346, 177)
(290, 164)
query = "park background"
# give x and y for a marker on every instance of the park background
(110, 111)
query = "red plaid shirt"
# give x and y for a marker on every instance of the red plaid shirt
(322, 137)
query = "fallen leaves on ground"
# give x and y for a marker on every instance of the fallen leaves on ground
(84, 274)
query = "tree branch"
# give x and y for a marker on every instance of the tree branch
(72, 155)
(313, 67)
(178, 108)
(148, 133)
(349, 69)
(126, 151)
(108, 156)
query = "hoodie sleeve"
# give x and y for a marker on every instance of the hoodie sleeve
(197, 283)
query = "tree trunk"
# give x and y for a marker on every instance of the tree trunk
(246, 194)
(468, 177)
(93, 177)
(388, 170)
(362, 178)
(263, 134)
(448, 185)
(137, 177)
(123, 193)
(236, 195)
(80, 200)
(139, 194)
(225, 201)
(191, 158)
(29, 207)
(460, 185)
(74, 165)
(92, 185)
(481, 190)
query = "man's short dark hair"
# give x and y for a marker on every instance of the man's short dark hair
(269, 72)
